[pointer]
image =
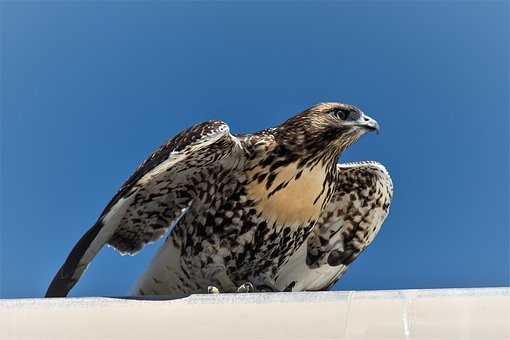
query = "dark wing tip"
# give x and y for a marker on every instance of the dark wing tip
(60, 285)
(66, 277)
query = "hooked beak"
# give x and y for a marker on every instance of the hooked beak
(368, 123)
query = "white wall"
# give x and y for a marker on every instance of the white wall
(409, 314)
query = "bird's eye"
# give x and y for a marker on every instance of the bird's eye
(342, 114)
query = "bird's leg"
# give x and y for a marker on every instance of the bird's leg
(217, 274)
(246, 287)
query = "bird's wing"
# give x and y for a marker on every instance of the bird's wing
(348, 225)
(153, 198)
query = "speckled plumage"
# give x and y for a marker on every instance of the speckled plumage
(272, 208)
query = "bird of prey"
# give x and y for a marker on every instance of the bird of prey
(269, 211)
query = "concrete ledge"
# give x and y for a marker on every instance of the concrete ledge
(408, 314)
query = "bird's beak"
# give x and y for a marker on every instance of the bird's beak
(368, 123)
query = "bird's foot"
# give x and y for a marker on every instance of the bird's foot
(246, 287)
(212, 290)
(265, 284)
(265, 288)
(218, 277)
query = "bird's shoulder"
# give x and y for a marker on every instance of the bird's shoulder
(360, 176)
(259, 143)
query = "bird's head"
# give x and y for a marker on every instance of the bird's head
(330, 127)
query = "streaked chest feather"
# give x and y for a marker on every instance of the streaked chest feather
(293, 197)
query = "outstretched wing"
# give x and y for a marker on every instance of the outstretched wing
(345, 228)
(153, 198)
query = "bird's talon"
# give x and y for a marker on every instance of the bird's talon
(246, 288)
(212, 290)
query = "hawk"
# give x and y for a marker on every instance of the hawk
(268, 211)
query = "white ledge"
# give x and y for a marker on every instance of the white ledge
(407, 314)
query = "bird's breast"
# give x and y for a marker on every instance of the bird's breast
(288, 195)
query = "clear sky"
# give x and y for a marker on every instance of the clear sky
(88, 90)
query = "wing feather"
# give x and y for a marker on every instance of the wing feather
(152, 199)
(347, 225)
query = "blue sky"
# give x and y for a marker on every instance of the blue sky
(88, 90)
